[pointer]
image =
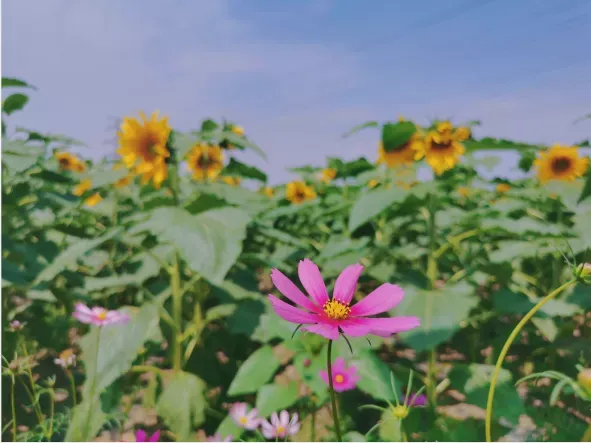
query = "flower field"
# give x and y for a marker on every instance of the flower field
(172, 294)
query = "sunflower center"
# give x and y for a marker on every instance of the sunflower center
(561, 164)
(204, 161)
(148, 149)
(336, 310)
(64, 162)
(339, 378)
(440, 146)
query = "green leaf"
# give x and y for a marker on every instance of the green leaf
(474, 381)
(236, 168)
(14, 102)
(209, 125)
(395, 135)
(210, 241)
(8, 82)
(441, 311)
(229, 428)
(182, 404)
(69, 256)
(350, 169)
(372, 203)
(103, 175)
(87, 419)
(586, 192)
(254, 372)
(372, 124)
(375, 376)
(272, 398)
(109, 356)
(241, 141)
(390, 427)
(494, 144)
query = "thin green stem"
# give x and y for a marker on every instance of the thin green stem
(33, 392)
(93, 384)
(13, 406)
(177, 314)
(72, 387)
(432, 275)
(51, 414)
(333, 397)
(505, 350)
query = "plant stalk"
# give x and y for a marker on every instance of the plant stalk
(333, 398)
(505, 350)
(177, 314)
(13, 406)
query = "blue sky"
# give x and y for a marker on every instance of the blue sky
(297, 75)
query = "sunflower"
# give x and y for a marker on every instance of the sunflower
(69, 162)
(238, 130)
(124, 181)
(232, 181)
(142, 145)
(327, 175)
(502, 188)
(93, 200)
(298, 192)
(441, 147)
(401, 155)
(561, 163)
(205, 161)
(463, 191)
(373, 183)
(82, 187)
(269, 192)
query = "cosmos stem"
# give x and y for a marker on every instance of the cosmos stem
(505, 350)
(333, 397)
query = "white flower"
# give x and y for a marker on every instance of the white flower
(281, 426)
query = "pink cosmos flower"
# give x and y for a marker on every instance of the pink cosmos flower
(281, 426)
(98, 316)
(343, 378)
(245, 420)
(415, 400)
(16, 325)
(217, 437)
(330, 316)
(141, 435)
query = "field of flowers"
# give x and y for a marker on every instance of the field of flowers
(172, 295)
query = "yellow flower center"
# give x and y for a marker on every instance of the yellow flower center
(339, 378)
(243, 420)
(148, 147)
(400, 411)
(336, 310)
(280, 430)
(561, 164)
(440, 146)
(102, 315)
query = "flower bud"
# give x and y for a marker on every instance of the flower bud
(400, 412)
(583, 273)
(584, 379)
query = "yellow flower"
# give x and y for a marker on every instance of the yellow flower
(238, 130)
(560, 163)
(69, 162)
(373, 183)
(442, 148)
(401, 118)
(205, 161)
(298, 192)
(93, 200)
(463, 191)
(269, 192)
(502, 188)
(124, 181)
(82, 187)
(232, 181)
(401, 155)
(142, 144)
(328, 175)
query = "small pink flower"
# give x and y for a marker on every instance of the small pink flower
(343, 378)
(415, 400)
(98, 316)
(329, 316)
(281, 426)
(141, 435)
(245, 420)
(218, 437)
(16, 325)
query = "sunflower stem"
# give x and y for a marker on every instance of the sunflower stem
(505, 350)
(177, 313)
(333, 397)
(93, 384)
(432, 276)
